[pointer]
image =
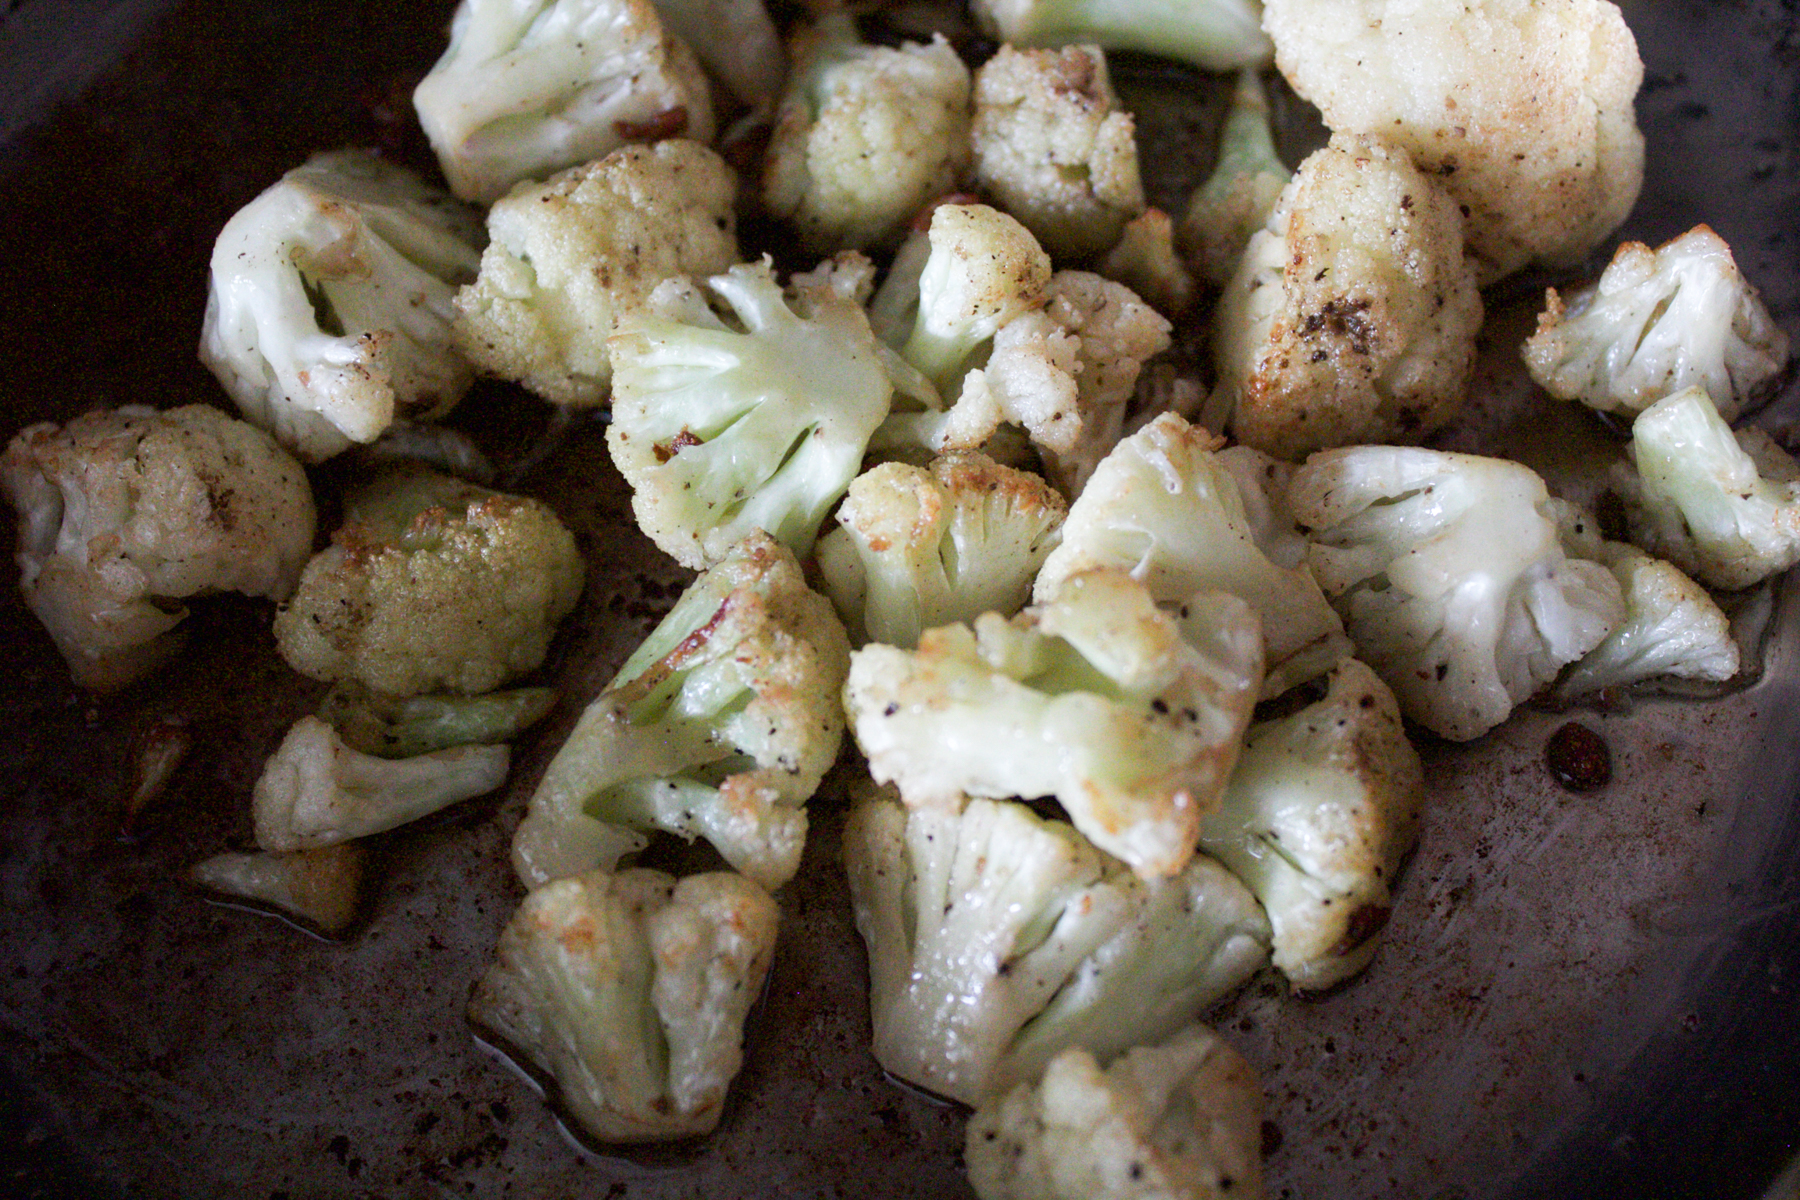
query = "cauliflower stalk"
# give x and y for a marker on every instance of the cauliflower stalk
(719, 726)
(1214, 35)
(402, 726)
(329, 309)
(998, 939)
(1129, 717)
(125, 514)
(630, 993)
(1237, 197)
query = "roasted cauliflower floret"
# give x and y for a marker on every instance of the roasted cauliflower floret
(1129, 717)
(125, 514)
(719, 726)
(328, 312)
(527, 88)
(918, 547)
(864, 136)
(1052, 147)
(1237, 197)
(569, 257)
(430, 585)
(1521, 108)
(1352, 317)
(1215, 35)
(1180, 1120)
(1656, 322)
(321, 889)
(1451, 578)
(998, 939)
(630, 992)
(1147, 260)
(1323, 806)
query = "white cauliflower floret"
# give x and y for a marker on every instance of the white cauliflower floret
(918, 547)
(998, 939)
(1215, 35)
(1672, 627)
(1656, 322)
(1129, 717)
(1352, 317)
(1321, 810)
(864, 136)
(527, 88)
(1237, 197)
(316, 791)
(432, 584)
(1180, 1120)
(1522, 108)
(722, 428)
(630, 992)
(328, 313)
(720, 725)
(1723, 507)
(570, 257)
(1145, 259)
(319, 888)
(1451, 579)
(1052, 147)
(124, 514)
(1164, 507)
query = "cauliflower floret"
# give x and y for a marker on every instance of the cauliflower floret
(1129, 717)
(1246, 181)
(1672, 627)
(329, 306)
(402, 726)
(1145, 259)
(1163, 507)
(1352, 317)
(1052, 148)
(1321, 810)
(319, 888)
(630, 993)
(568, 258)
(720, 725)
(1658, 321)
(316, 791)
(737, 43)
(918, 547)
(1522, 108)
(432, 584)
(527, 88)
(998, 939)
(123, 514)
(864, 135)
(1215, 35)
(1451, 579)
(721, 428)
(1723, 507)
(1181, 1120)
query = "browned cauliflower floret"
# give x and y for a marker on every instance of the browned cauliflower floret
(432, 584)
(124, 514)
(1352, 317)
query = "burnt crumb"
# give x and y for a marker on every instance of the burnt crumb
(1578, 758)
(1345, 319)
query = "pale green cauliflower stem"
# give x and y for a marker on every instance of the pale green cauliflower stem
(568, 258)
(1352, 317)
(1657, 322)
(319, 888)
(1129, 717)
(1237, 197)
(997, 939)
(737, 43)
(1723, 507)
(329, 307)
(527, 88)
(1164, 507)
(865, 136)
(1523, 109)
(1672, 629)
(723, 429)
(123, 514)
(1179, 1120)
(432, 585)
(1215, 35)
(1052, 148)
(1322, 808)
(720, 725)
(918, 547)
(402, 726)
(316, 791)
(630, 993)
(1451, 579)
